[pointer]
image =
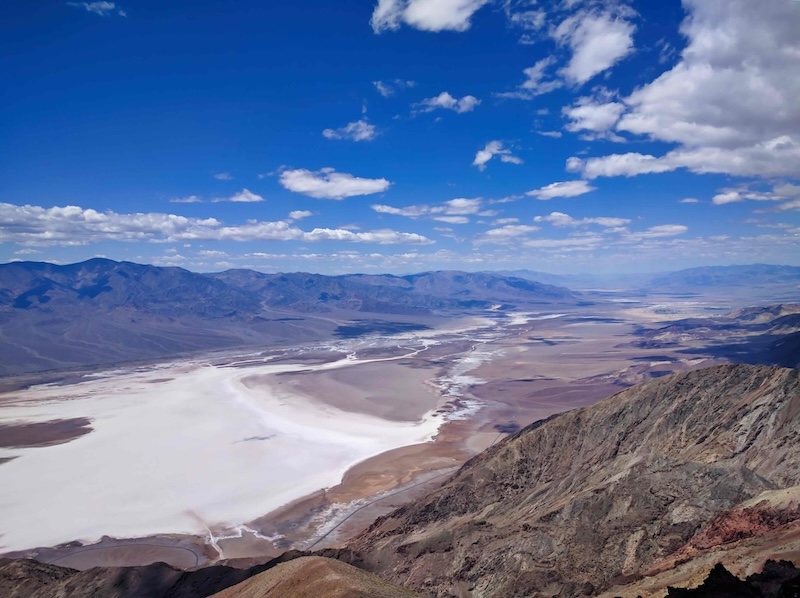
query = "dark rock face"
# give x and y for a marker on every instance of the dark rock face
(596, 496)
(779, 579)
(30, 579)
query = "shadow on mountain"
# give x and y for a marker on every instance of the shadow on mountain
(763, 349)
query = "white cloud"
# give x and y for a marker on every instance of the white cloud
(790, 205)
(598, 41)
(359, 130)
(729, 197)
(562, 189)
(329, 184)
(589, 115)
(552, 134)
(583, 243)
(454, 211)
(187, 199)
(779, 192)
(300, 214)
(73, 225)
(427, 15)
(535, 83)
(223, 176)
(689, 200)
(462, 205)
(492, 149)
(503, 233)
(654, 232)
(730, 102)
(446, 101)
(452, 219)
(630, 164)
(389, 88)
(245, 196)
(560, 219)
(504, 221)
(100, 8)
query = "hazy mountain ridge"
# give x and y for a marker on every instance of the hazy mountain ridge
(101, 311)
(720, 276)
(598, 496)
(386, 293)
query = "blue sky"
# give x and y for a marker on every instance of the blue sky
(401, 135)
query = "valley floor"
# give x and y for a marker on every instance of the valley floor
(238, 457)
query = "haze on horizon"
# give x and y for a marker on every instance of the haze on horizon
(402, 135)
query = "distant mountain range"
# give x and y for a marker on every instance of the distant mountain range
(101, 311)
(722, 276)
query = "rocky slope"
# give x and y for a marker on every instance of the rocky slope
(593, 499)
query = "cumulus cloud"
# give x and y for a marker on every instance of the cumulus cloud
(329, 184)
(359, 130)
(729, 103)
(445, 101)
(561, 219)
(587, 114)
(492, 149)
(73, 225)
(427, 15)
(598, 40)
(562, 189)
(103, 9)
(454, 211)
(245, 196)
(300, 214)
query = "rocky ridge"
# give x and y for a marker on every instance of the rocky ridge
(594, 498)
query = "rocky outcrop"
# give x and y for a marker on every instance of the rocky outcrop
(593, 498)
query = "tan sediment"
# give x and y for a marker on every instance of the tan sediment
(389, 390)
